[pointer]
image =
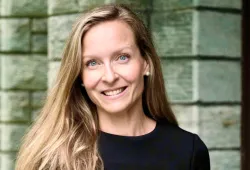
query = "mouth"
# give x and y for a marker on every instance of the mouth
(114, 92)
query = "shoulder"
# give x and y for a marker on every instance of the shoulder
(187, 144)
(175, 133)
(180, 137)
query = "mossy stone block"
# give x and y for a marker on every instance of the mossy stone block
(15, 35)
(24, 8)
(178, 76)
(24, 72)
(15, 106)
(11, 135)
(59, 30)
(39, 43)
(62, 6)
(172, 32)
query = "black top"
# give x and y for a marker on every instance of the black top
(167, 147)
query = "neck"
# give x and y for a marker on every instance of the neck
(132, 122)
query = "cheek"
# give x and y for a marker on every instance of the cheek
(132, 72)
(90, 79)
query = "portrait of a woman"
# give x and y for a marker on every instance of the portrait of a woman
(108, 108)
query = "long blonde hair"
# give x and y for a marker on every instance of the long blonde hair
(65, 135)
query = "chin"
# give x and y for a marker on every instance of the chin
(115, 108)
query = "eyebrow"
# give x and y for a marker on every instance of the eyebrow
(130, 47)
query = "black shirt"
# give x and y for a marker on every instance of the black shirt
(167, 147)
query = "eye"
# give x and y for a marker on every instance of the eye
(91, 63)
(123, 58)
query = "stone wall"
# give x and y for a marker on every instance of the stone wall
(23, 64)
(199, 44)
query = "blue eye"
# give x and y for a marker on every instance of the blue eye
(91, 63)
(123, 57)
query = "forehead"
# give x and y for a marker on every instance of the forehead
(108, 35)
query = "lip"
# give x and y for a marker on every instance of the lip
(113, 89)
(116, 96)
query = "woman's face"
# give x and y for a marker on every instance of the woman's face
(113, 67)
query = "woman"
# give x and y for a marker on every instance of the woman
(108, 108)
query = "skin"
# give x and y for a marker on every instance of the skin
(112, 61)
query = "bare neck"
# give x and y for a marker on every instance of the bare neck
(132, 122)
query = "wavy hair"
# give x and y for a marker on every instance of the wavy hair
(65, 135)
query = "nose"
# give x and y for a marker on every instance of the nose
(109, 74)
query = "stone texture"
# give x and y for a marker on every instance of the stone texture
(15, 35)
(52, 74)
(7, 161)
(86, 4)
(225, 160)
(218, 34)
(172, 32)
(39, 25)
(185, 113)
(11, 135)
(62, 6)
(15, 106)
(219, 81)
(38, 98)
(0, 28)
(35, 114)
(179, 4)
(59, 28)
(138, 4)
(24, 8)
(178, 79)
(39, 43)
(171, 4)
(187, 117)
(24, 72)
(219, 126)
(219, 3)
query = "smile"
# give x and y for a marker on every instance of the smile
(114, 92)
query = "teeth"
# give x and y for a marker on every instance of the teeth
(114, 92)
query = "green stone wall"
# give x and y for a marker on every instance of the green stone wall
(198, 41)
(23, 65)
